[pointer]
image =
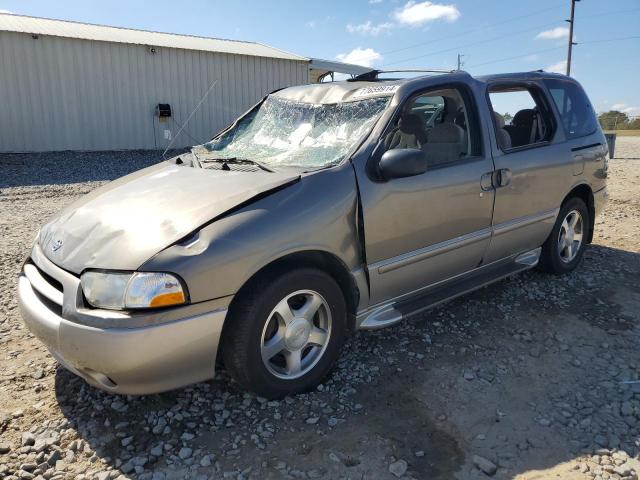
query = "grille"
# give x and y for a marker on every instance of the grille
(51, 305)
(50, 280)
(47, 289)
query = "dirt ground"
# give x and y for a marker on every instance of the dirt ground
(534, 377)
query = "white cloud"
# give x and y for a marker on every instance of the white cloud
(369, 28)
(531, 58)
(360, 56)
(6, 11)
(310, 24)
(560, 67)
(554, 33)
(624, 108)
(413, 14)
(416, 14)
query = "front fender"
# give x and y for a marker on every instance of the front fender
(317, 213)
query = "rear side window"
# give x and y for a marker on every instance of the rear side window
(576, 112)
(521, 118)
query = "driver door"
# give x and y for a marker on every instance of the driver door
(426, 228)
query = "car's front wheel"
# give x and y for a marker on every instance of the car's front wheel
(563, 250)
(285, 332)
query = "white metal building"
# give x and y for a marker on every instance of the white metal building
(76, 86)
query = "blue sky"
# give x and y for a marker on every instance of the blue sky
(493, 35)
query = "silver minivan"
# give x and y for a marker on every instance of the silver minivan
(323, 209)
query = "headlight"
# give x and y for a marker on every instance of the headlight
(118, 290)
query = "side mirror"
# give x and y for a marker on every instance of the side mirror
(402, 162)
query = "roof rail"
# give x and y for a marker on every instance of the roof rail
(372, 75)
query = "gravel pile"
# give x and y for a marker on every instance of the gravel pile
(535, 375)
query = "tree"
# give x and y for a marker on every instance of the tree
(614, 120)
(507, 118)
(635, 124)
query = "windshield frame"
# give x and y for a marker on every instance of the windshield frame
(357, 145)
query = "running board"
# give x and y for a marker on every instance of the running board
(530, 258)
(393, 312)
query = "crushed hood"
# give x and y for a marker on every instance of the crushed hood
(123, 224)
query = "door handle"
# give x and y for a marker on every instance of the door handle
(495, 179)
(502, 177)
(486, 182)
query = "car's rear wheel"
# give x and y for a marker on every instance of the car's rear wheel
(285, 332)
(564, 248)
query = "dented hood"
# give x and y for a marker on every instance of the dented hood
(124, 223)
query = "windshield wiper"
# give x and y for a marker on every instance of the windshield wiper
(237, 161)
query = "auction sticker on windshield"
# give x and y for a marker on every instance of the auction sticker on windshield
(375, 91)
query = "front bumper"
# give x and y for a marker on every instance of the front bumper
(149, 358)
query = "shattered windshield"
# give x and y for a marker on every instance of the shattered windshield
(291, 134)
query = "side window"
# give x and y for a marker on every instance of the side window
(437, 123)
(520, 117)
(576, 112)
(430, 108)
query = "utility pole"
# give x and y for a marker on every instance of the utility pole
(460, 62)
(571, 43)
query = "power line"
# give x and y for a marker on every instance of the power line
(501, 22)
(602, 40)
(467, 32)
(460, 34)
(472, 44)
(516, 56)
(501, 37)
(571, 21)
(607, 13)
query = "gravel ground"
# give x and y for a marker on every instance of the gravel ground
(627, 147)
(533, 377)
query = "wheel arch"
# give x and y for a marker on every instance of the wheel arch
(319, 259)
(585, 193)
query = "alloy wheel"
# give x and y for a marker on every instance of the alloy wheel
(296, 334)
(570, 236)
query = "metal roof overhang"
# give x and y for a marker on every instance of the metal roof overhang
(319, 68)
(104, 33)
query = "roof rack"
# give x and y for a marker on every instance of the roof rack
(372, 75)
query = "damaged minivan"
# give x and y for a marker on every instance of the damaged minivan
(324, 209)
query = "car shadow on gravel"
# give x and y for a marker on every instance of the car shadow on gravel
(61, 168)
(389, 422)
(518, 377)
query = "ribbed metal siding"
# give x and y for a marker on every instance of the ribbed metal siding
(71, 94)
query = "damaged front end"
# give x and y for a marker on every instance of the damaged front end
(126, 222)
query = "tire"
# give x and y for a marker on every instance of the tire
(557, 257)
(269, 316)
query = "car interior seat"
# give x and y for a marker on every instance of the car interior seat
(410, 133)
(502, 135)
(460, 119)
(446, 141)
(522, 126)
